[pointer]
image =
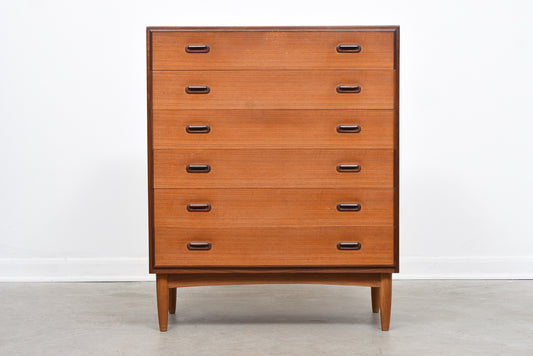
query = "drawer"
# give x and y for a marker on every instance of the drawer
(272, 207)
(271, 168)
(273, 128)
(274, 89)
(273, 246)
(272, 50)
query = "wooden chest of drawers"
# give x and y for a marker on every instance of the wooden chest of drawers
(273, 158)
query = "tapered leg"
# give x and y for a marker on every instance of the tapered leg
(172, 300)
(385, 300)
(162, 300)
(375, 299)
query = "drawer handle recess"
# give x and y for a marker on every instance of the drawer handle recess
(197, 48)
(348, 168)
(349, 245)
(199, 246)
(349, 48)
(198, 168)
(348, 129)
(198, 129)
(204, 207)
(348, 207)
(197, 89)
(348, 89)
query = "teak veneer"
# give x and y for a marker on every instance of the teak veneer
(273, 158)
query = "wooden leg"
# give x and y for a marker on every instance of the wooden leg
(385, 300)
(162, 300)
(172, 300)
(375, 299)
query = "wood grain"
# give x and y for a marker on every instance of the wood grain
(273, 270)
(273, 129)
(172, 295)
(285, 89)
(149, 140)
(397, 151)
(269, 168)
(385, 297)
(272, 50)
(273, 207)
(162, 300)
(228, 29)
(374, 294)
(273, 102)
(356, 279)
(274, 246)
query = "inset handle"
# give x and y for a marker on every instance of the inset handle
(197, 89)
(204, 207)
(197, 48)
(348, 168)
(198, 128)
(348, 128)
(348, 207)
(349, 48)
(198, 168)
(348, 89)
(349, 245)
(199, 246)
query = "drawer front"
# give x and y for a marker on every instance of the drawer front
(271, 168)
(272, 50)
(272, 207)
(274, 89)
(273, 129)
(273, 246)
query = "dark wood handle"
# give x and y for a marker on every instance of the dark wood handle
(197, 89)
(348, 168)
(349, 48)
(349, 245)
(197, 48)
(348, 129)
(199, 246)
(198, 128)
(348, 89)
(198, 168)
(348, 207)
(204, 207)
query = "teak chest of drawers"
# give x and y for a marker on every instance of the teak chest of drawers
(273, 158)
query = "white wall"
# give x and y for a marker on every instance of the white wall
(73, 201)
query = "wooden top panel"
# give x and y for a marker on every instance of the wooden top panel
(272, 49)
(271, 28)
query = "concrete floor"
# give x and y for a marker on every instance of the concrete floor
(428, 318)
